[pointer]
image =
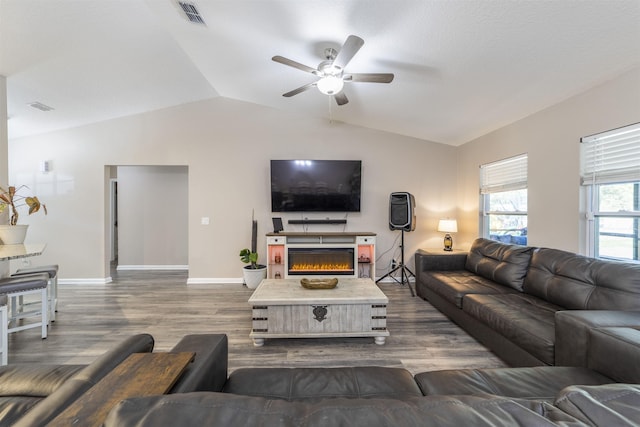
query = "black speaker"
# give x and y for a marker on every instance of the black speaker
(401, 216)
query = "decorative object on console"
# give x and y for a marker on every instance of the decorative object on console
(448, 226)
(319, 283)
(13, 233)
(277, 225)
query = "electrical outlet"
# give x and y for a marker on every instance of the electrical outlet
(394, 264)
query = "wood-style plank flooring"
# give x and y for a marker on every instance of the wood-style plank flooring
(91, 318)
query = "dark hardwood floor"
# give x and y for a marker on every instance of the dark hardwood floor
(91, 318)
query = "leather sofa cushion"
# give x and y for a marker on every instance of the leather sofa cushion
(454, 285)
(536, 383)
(607, 405)
(318, 383)
(502, 263)
(576, 282)
(614, 351)
(223, 409)
(526, 321)
(572, 332)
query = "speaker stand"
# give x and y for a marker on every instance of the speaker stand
(404, 270)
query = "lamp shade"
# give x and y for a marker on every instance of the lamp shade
(448, 226)
(330, 85)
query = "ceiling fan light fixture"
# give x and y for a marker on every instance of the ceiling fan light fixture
(330, 85)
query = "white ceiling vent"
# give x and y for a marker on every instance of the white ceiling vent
(192, 12)
(40, 106)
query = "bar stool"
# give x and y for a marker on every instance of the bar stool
(52, 271)
(19, 286)
(4, 327)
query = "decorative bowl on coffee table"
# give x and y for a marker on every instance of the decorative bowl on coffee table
(319, 283)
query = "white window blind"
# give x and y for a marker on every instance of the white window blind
(611, 157)
(504, 175)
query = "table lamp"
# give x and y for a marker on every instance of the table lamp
(448, 226)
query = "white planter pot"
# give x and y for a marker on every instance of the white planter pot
(13, 234)
(253, 276)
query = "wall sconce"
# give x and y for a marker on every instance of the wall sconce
(448, 226)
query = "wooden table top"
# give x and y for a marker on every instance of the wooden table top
(289, 292)
(8, 252)
(141, 374)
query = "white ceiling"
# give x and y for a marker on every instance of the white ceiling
(462, 67)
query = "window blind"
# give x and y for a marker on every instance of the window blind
(504, 175)
(611, 157)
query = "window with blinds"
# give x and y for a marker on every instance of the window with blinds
(612, 156)
(503, 200)
(610, 172)
(504, 175)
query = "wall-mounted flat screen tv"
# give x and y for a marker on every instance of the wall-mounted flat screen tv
(316, 185)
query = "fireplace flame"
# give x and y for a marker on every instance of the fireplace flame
(321, 267)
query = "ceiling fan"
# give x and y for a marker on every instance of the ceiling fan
(331, 73)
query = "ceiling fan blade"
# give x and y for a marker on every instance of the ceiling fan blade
(294, 64)
(299, 90)
(351, 46)
(369, 77)
(341, 98)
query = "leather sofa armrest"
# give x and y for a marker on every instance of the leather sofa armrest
(71, 390)
(208, 371)
(425, 261)
(572, 332)
(615, 352)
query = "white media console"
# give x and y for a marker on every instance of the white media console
(330, 254)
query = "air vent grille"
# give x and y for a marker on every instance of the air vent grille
(40, 106)
(192, 13)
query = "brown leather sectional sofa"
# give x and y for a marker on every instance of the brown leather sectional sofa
(602, 394)
(530, 306)
(371, 396)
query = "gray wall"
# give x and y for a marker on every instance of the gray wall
(153, 217)
(552, 140)
(226, 146)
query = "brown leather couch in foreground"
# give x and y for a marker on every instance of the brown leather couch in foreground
(605, 393)
(33, 394)
(602, 394)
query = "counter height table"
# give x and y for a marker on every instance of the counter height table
(9, 252)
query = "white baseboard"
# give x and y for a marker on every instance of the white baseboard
(152, 267)
(85, 281)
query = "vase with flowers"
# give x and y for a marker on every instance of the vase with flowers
(14, 233)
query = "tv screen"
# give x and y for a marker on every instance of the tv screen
(315, 185)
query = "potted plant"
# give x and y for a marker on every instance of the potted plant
(254, 272)
(14, 233)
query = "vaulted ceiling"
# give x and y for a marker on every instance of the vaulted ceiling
(462, 67)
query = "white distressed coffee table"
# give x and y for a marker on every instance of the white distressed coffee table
(282, 308)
